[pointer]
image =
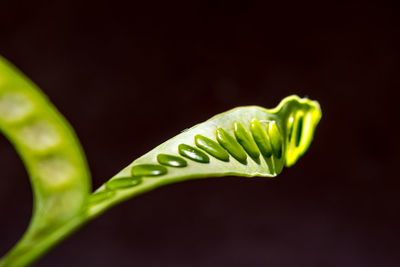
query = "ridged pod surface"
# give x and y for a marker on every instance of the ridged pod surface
(245, 141)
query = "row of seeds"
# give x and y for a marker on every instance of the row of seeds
(266, 141)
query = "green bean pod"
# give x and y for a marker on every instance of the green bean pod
(245, 141)
(54, 160)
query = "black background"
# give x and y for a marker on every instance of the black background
(130, 76)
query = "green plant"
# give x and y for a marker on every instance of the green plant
(245, 141)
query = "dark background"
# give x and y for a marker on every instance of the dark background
(130, 76)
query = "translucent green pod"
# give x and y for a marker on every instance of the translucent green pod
(54, 160)
(240, 132)
(245, 141)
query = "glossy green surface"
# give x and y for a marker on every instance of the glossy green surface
(261, 138)
(275, 138)
(148, 170)
(231, 145)
(211, 147)
(193, 153)
(123, 182)
(60, 178)
(290, 125)
(299, 128)
(100, 196)
(171, 161)
(245, 139)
